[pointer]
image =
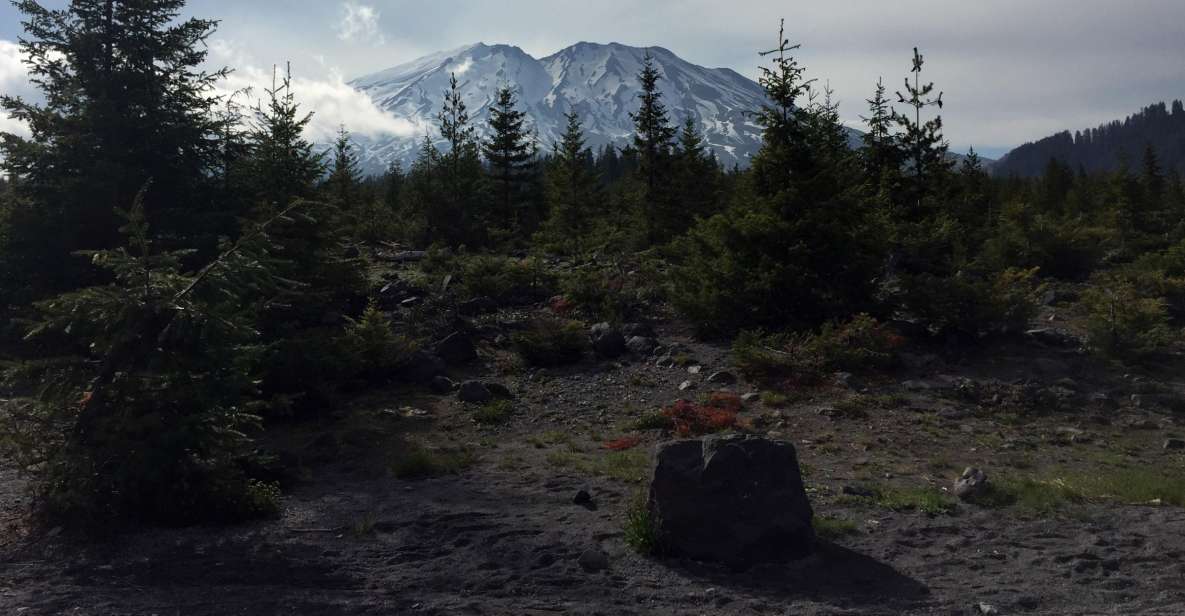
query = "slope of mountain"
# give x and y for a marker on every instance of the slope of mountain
(598, 81)
(1107, 147)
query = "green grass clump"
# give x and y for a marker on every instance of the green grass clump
(641, 529)
(830, 529)
(494, 413)
(630, 466)
(654, 421)
(419, 462)
(1044, 496)
(931, 501)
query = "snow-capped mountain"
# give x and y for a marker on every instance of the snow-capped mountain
(598, 81)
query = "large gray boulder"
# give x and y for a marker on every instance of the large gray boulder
(735, 499)
(607, 341)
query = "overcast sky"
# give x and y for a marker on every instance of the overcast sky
(1012, 70)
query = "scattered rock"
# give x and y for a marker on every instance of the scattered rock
(641, 345)
(987, 609)
(860, 491)
(593, 561)
(972, 484)
(686, 385)
(1174, 443)
(422, 367)
(499, 390)
(735, 499)
(694, 369)
(722, 377)
(607, 341)
(456, 348)
(1052, 337)
(477, 305)
(637, 330)
(846, 380)
(665, 361)
(584, 499)
(474, 392)
(442, 385)
(750, 397)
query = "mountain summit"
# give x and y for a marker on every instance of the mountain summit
(598, 81)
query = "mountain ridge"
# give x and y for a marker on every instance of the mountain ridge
(597, 80)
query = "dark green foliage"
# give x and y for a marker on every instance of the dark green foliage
(858, 345)
(342, 186)
(509, 154)
(653, 139)
(795, 248)
(126, 100)
(458, 216)
(1125, 323)
(551, 342)
(921, 144)
(571, 192)
(148, 421)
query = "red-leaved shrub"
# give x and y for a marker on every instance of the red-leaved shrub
(693, 419)
(621, 444)
(561, 305)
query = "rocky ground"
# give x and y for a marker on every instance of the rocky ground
(404, 504)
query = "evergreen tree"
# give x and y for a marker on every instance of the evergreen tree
(653, 140)
(880, 154)
(283, 164)
(509, 153)
(458, 218)
(922, 145)
(571, 190)
(393, 186)
(125, 99)
(344, 179)
(696, 178)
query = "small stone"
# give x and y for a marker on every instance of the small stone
(987, 609)
(971, 484)
(456, 348)
(750, 397)
(641, 345)
(686, 385)
(694, 369)
(593, 561)
(499, 390)
(722, 377)
(607, 341)
(860, 491)
(584, 499)
(1174, 444)
(442, 385)
(474, 392)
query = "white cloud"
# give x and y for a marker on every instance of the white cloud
(333, 102)
(359, 23)
(14, 80)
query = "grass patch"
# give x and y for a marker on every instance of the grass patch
(641, 529)
(831, 529)
(654, 421)
(630, 466)
(419, 462)
(1045, 496)
(774, 399)
(494, 413)
(931, 501)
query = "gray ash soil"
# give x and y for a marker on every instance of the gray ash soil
(501, 535)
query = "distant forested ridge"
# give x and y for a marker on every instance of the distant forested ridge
(1107, 147)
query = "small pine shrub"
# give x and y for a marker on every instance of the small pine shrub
(972, 304)
(598, 294)
(551, 342)
(1124, 323)
(858, 345)
(376, 350)
(494, 413)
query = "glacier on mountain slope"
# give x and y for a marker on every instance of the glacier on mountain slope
(598, 81)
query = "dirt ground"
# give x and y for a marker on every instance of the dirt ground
(499, 532)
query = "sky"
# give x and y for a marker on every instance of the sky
(1012, 70)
